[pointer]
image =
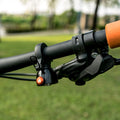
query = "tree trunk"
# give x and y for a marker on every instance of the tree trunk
(32, 22)
(52, 14)
(51, 22)
(96, 15)
(0, 28)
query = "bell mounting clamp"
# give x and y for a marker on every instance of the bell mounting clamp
(45, 74)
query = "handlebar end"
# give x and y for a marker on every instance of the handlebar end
(113, 34)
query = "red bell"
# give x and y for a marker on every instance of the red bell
(40, 81)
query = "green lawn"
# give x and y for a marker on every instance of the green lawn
(99, 99)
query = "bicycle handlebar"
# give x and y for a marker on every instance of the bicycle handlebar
(66, 48)
(52, 52)
(94, 39)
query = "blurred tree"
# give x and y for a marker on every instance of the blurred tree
(33, 11)
(106, 3)
(71, 12)
(95, 15)
(51, 6)
(0, 28)
(110, 3)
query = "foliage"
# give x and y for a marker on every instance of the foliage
(15, 19)
(111, 2)
(108, 2)
(22, 23)
(65, 20)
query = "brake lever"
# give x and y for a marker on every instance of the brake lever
(100, 65)
(75, 72)
(117, 61)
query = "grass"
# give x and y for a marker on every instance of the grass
(99, 99)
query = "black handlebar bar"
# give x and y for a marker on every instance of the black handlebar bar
(66, 48)
(90, 39)
(16, 62)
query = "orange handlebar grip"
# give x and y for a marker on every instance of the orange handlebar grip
(113, 34)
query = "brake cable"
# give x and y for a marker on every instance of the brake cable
(10, 76)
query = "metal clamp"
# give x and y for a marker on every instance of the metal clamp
(79, 48)
(45, 75)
